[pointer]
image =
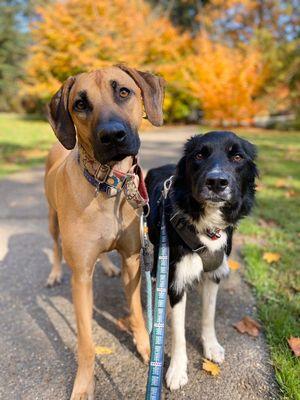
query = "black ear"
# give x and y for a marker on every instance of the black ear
(153, 90)
(249, 149)
(59, 116)
(181, 168)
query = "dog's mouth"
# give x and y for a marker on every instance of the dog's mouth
(115, 153)
(217, 198)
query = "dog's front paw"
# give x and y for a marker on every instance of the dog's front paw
(176, 376)
(213, 351)
(83, 394)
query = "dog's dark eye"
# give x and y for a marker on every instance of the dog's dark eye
(80, 105)
(124, 92)
(237, 158)
(199, 156)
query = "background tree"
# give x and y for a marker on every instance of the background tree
(74, 36)
(226, 81)
(12, 51)
(272, 27)
(183, 13)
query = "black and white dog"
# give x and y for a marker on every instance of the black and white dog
(212, 188)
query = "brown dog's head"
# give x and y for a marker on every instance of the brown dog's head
(105, 109)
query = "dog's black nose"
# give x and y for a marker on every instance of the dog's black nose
(216, 181)
(112, 133)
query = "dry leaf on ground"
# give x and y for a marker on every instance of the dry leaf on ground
(290, 193)
(248, 325)
(281, 183)
(210, 367)
(294, 343)
(233, 265)
(102, 350)
(271, 257)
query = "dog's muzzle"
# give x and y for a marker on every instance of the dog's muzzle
(114, 140)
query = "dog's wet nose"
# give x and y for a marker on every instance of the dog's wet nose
(112, 133)
(217, 181)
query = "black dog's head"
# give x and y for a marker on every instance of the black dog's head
(218, 169)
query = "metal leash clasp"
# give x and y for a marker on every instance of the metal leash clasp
(167, 186)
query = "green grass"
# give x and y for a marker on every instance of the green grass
(23, 142)
(275, 227)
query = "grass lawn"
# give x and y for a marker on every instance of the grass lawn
(273, 227)
(23, 143)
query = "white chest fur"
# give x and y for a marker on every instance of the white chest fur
(188, 270)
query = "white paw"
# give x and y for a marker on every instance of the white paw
(176, 376)
(213, 351)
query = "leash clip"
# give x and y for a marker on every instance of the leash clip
(167, 186)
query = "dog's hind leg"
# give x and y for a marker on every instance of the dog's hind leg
(108, 266)
(211, 347)
(56, 271)
(177, 372)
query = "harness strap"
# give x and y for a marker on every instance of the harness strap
(190, 236)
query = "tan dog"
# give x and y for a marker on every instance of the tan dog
(104, 108)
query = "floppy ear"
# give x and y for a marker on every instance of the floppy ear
(59, 116)
(250, 149)
(153, 90)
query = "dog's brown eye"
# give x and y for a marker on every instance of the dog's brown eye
(237, 158)
(80, 105)
(124, 92)
(199, 156)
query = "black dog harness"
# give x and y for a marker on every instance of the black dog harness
(210, 260)
(190, 236)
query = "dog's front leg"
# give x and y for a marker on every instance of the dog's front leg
(82, 293)
(131, 274)
(82, 264)
(177, 372)
(211, 347)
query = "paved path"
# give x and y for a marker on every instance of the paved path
(37, 328)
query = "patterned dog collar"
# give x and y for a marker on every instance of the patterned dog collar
(111, 181)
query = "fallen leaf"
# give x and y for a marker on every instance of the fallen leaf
(271, 257)
(281, 183)
(210, 367)
(294, 343)
(260, 187)
(102, 350)
(248, 325)
(233, 265)
(290, 193)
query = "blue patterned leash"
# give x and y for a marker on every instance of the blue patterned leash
(155, 373)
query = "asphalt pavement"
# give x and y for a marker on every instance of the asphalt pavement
(37, 325)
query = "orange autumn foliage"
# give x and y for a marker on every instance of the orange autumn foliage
(74, 36)
(226, 80)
